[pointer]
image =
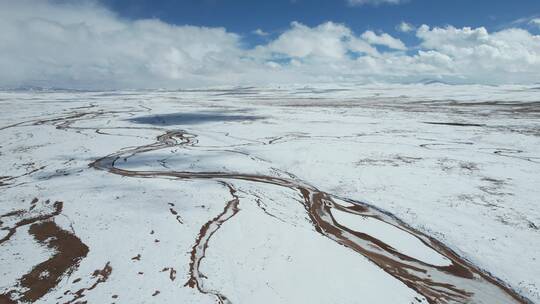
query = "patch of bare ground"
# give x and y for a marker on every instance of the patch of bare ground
(67, 252)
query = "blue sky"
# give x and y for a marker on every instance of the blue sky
(178, 44)
(244, 16)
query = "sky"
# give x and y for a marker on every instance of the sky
(178, 44)
(245, 16)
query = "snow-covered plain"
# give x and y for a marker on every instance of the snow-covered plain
(458, 163)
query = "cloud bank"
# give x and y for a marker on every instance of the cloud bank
(84, 45)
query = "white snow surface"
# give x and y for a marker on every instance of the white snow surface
(471, 180)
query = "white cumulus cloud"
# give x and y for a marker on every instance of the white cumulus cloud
(325, 40)
(45, 43)
(260, 32)
(405, 27)
(511, 55)
(384, 39)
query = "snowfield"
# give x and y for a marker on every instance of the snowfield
(322, 194)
